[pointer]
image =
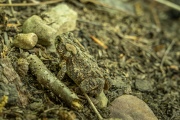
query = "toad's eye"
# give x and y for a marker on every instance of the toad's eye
(70, 35)
(60, 39)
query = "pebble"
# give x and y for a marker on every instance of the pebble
(144, 85)
(125, 86)
(102, 100)
(25, 41)
(128, 107)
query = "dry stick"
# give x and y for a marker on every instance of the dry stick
(156, 17)
(12, 9)
(138, 8)
(30, 4)
(164, 56)
(93, 107)
(99, 42)
(89, 22)
(50, 81)
(170, 4)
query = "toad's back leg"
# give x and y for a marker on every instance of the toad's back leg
(92, 86)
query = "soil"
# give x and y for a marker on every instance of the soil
(142, 58)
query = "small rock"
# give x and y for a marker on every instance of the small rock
(102, 100)
(124, 86)
(128, 107)
(144, 85)
(25, 41)
(118, 82)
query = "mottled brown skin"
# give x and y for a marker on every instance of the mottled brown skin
(80, 66)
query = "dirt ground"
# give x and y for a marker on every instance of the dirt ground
(142, 55)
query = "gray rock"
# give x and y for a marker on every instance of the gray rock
(61, 18)
(124, 86)
(144, 85)
(128, 107)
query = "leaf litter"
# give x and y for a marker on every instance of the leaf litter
(133, 53)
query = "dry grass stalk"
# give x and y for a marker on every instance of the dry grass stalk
(99, 42)
(31, 4)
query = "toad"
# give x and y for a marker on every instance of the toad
(80, 66)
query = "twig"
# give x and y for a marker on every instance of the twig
(138, 8)
(170, 4)
(12, 9)
(164, 56)
(155, 15)
(30, 4)
(50, 81)
(99, 42)
(156, 18)
(6, 40)
(89, 22)
(50, 109)
(131, 37)
(93, 107)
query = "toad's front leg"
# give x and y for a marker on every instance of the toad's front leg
(63, 70)
(62, 65)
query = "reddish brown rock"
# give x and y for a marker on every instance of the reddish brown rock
(128, 107)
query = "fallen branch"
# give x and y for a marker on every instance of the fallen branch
(30, 4)
(12, 78)
(165, 55)
(93, 107)
(169, 4)
(50, 81)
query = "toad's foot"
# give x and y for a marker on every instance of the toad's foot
(92, 86)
